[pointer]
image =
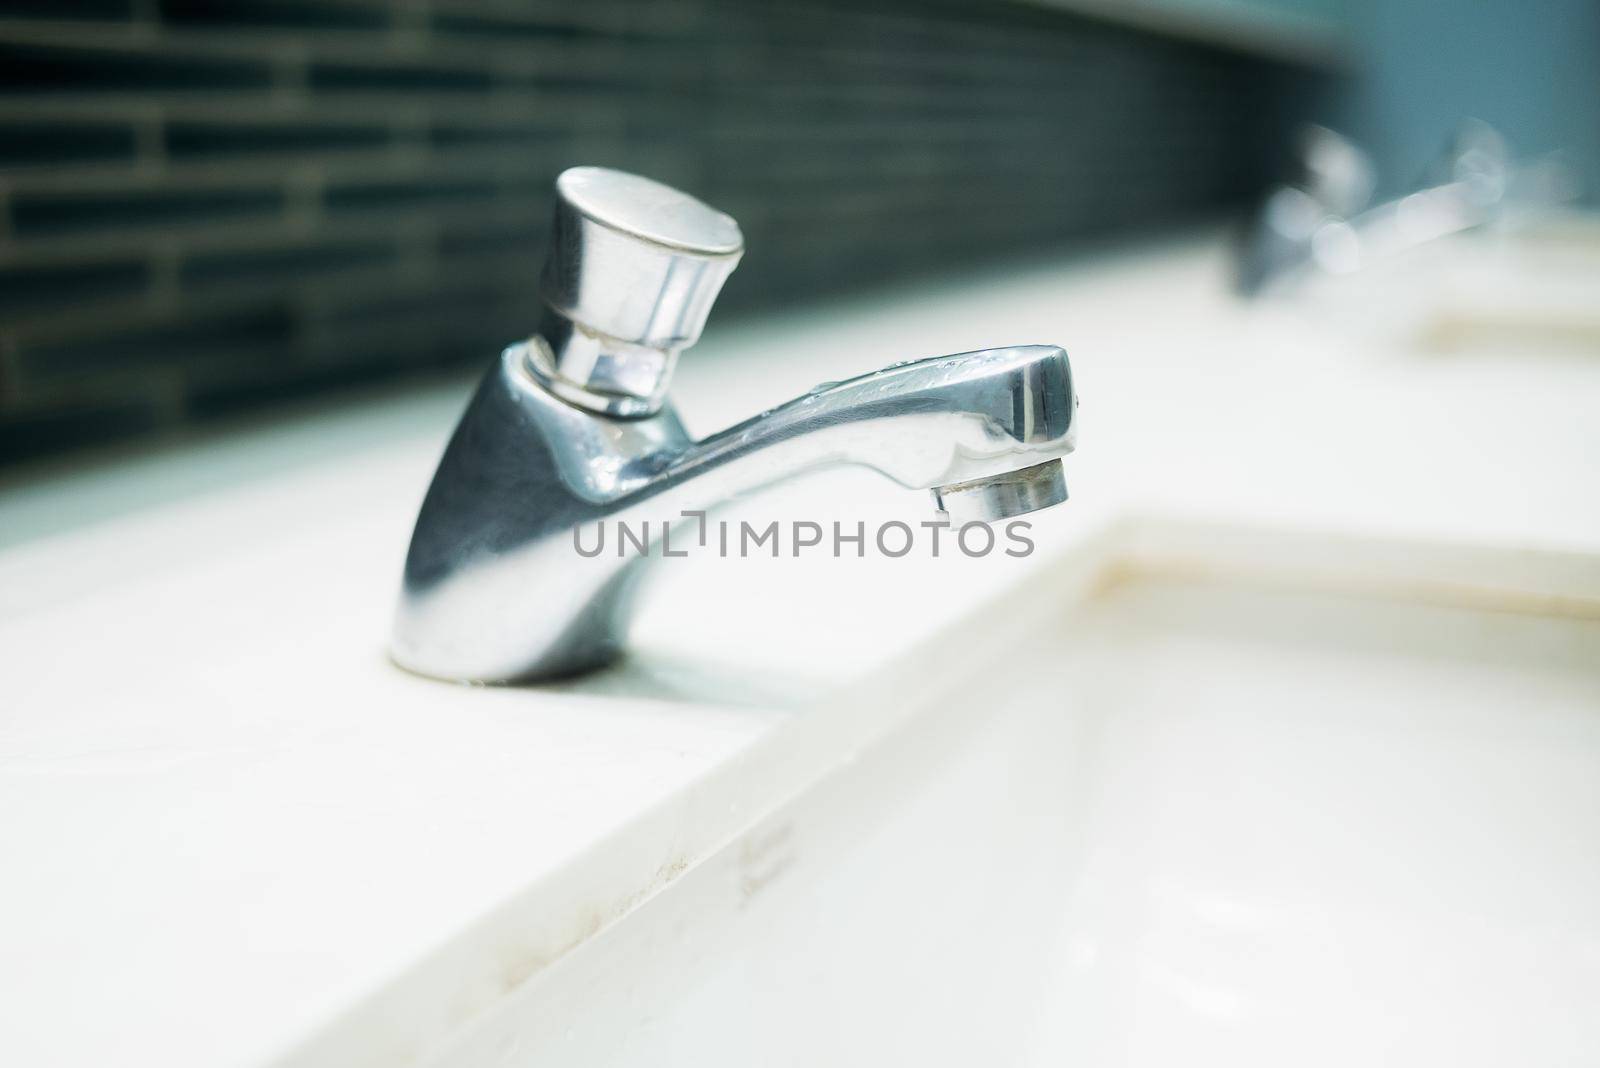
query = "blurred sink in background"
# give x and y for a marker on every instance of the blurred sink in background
(1525, 288)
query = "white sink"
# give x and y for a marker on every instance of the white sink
(1233, 805)
(1185, 793)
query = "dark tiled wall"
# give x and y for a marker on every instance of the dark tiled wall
(210, 205)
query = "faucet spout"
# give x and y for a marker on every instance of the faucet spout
(925, 424)
(496, 588)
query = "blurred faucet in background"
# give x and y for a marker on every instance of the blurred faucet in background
(1333, 181)
(1321, 221)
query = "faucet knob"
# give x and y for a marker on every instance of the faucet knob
(632, 270)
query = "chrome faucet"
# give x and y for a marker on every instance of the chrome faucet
(572, 426)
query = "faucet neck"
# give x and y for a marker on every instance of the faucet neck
(602, 374)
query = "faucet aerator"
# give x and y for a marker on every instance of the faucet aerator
(984, 500)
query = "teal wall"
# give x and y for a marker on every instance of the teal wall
(1531, 68)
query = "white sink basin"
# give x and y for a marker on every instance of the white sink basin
(1222, 811)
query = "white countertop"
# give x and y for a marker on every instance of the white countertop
(233, 833)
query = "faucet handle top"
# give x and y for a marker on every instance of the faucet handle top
(639, 207)
(631, 272)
